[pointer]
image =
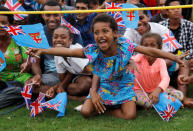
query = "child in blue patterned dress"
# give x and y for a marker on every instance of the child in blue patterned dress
(112, 84)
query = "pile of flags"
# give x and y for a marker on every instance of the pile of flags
(40, 105)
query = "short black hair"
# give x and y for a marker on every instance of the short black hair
(107, 19)
(95, 2)
(83, 1)
(169, 1)
(9, 16)
(152, 35)
(51, 3)
(66, 28)
(144, 11)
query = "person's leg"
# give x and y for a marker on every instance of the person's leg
(142, 99)
(88, 109)
(10, 96)
(176, 93)
(80, 87)
(182, 87)
(127, 111)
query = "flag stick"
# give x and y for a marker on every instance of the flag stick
(34, 55)
(147, 97)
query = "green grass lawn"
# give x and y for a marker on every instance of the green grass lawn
(149, 120)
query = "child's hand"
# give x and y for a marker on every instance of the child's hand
(59, 89)
(97, 102)
(50, 92)
(180, 59)
(25, 67)
(36, 80)
(182, 79)
(131, 67)
(34, 52)
(154, 96)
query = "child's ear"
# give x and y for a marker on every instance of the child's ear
(115, 34)
(148, 17)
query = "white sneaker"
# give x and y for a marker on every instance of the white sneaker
(78, 108)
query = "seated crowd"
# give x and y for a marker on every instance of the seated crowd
(56, 72)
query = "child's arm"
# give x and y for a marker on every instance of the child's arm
(96, 98)
(158, 53)
(57, 52)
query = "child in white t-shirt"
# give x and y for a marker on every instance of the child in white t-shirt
(75, 79)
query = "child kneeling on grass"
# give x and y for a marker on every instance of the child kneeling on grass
(153, 75)
(111, 83)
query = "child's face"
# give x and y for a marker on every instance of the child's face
(104, 35)
(150, 42)
(61, 38)
(143, 26)
(3, 21)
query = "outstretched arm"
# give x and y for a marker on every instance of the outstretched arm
(158, 53)
(57, 52)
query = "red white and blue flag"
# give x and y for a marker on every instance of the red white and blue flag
(171, 42)
(26, 92)
(37, 107)
(15, 5)
(116, 15)
(28, 35)
(14, 30)
(58, 103)
(72, 29)
(167, 106)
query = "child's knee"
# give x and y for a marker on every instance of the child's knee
(87, 109)
(130, 116)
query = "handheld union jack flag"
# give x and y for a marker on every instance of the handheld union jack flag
(167, 106)
(58, 103)
(14, 5)
(72, 29)
(28, 35)
(168, 112)
(116, 15)
(171, 41)
(37, 107)
(26, 92)
(14, 30)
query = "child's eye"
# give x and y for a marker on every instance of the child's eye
(96, 33)
(105, 31)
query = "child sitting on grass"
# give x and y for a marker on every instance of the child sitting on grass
(153, 75)
(111, 84)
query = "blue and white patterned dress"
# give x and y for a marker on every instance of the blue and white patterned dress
(115, 84)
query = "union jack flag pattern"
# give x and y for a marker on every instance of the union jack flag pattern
(28, 35)
(58, 103)
(168, 112)
(14, 30)
(72, 29)
(116, 15)
(167, 106)
(37, 107)
(14, 5)
(171, 41)
(26, 92)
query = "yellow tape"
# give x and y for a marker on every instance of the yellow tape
(92, 11)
